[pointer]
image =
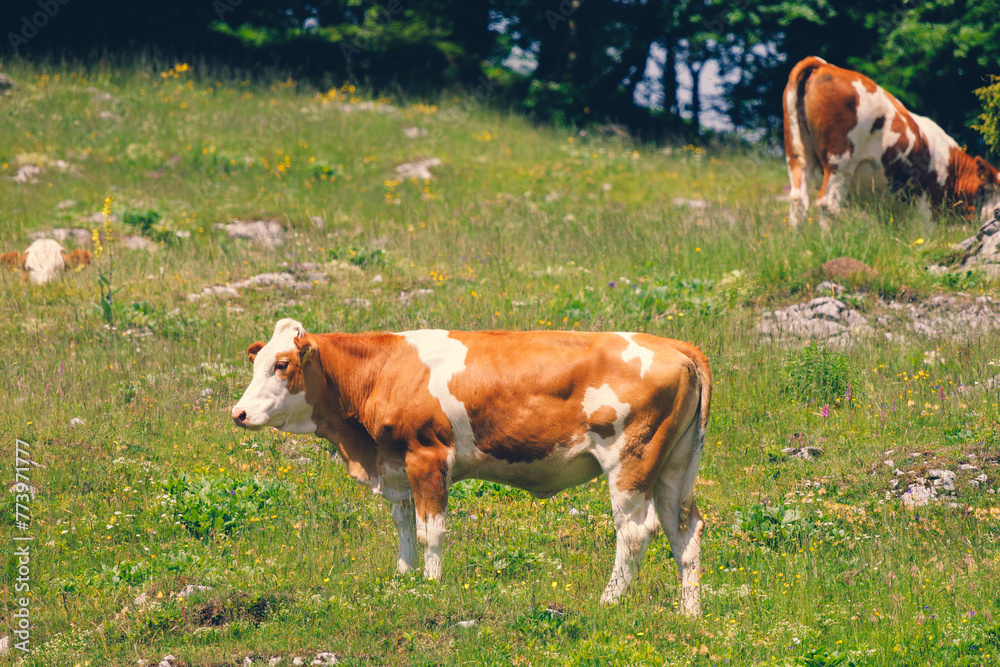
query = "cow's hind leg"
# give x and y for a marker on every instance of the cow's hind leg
(635, 522)
(680, 518)
(836, 183)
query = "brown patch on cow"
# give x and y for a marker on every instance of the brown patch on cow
(254, 349)
(77, 258)
(13, 261)
(602, 421)
(292, 372)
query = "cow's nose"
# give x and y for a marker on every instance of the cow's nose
(239, 416)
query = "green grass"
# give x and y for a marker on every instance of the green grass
(807, 563)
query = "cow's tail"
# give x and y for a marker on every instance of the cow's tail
(705, 381)
(704, 377)
(797, 143)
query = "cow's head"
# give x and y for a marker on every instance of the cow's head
(276, 395)
(989, 191)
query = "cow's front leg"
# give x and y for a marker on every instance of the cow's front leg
(428, 475)
(403, 517)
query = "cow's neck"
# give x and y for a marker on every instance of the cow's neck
(351, 364)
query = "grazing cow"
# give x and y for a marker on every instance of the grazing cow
(543, 411)
(861, 136)
(44, 260)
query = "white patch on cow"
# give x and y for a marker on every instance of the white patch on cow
(940, 146)
(267, 401)
(43, 261)
(431, 535)
(445, 357)
(636, 351)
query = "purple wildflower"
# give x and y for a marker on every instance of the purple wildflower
(826, 410)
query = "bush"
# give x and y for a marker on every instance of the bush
(211, 506)
(989, 125)
(816, 373)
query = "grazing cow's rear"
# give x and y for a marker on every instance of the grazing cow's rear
(542, 411)
(857, 133)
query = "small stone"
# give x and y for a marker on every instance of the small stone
(191, 589)
(247, 661)
(689, 203)
(318, 221)
(325, 658)
(830, 286)
(65, 204)
(4, 645)
(377, 278)
(979, 480)
(419, 169)
(574, 512)
(276, 660)
(76, 421)
(298, 661)
(207, 391)
(359, 303)
(406, 297)
(414, 132)
(468, 624)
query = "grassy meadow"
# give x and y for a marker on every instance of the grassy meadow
(521, 227)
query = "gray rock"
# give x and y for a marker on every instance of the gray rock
(689, 203)
(807, 453)
(4, 645)
(266, 233)
(830, 286)
(76, 421)
(944, 479)
(979, 480)
(918, 494)
(406, 297)
(77, 235)
(325, 658)
(468, 624)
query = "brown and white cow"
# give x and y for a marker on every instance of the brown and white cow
(44, 260)
(861, 137)
(542, 411)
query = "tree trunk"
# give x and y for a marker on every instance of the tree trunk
(695, 69)
(670, 79)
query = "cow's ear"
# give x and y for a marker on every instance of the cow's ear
(306, 348)
(254, 349)
(987, 172)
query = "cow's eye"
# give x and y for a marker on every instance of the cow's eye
(281, 365)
